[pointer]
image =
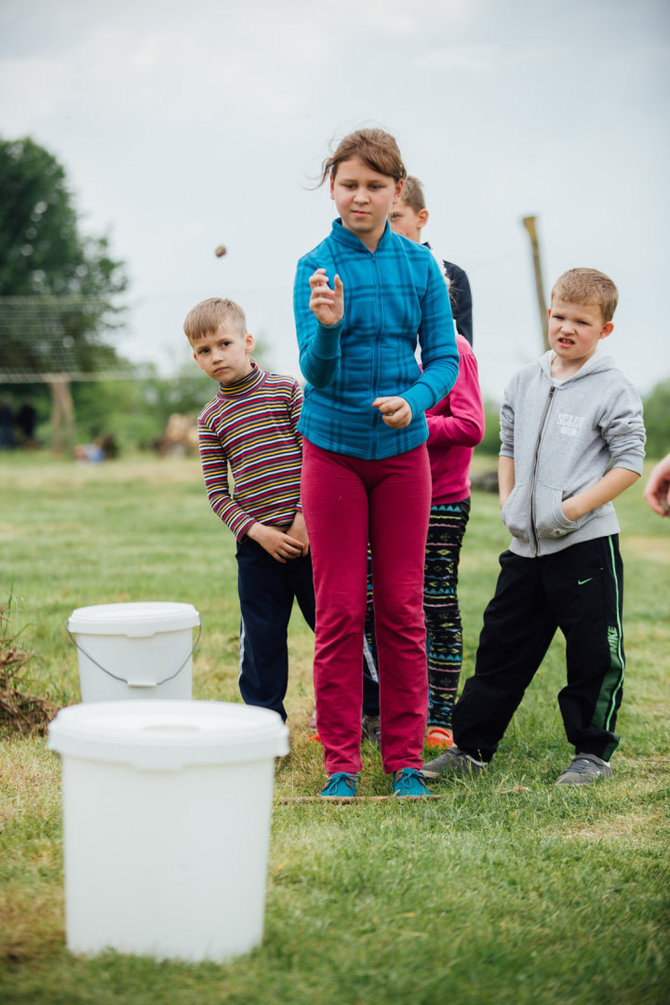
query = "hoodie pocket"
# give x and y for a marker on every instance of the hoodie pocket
(550, 520)
(515, 513)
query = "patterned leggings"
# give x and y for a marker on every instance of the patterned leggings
(444, 643)
(444, 633)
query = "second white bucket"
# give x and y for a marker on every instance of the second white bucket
(166, 817)
(135, 650)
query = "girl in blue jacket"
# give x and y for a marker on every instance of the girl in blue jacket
(366, 475)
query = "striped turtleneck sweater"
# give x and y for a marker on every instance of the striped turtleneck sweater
(253, 426)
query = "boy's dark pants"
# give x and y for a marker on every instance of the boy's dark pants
(580, 591)
(267, 589)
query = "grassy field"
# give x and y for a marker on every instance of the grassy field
(508, 890)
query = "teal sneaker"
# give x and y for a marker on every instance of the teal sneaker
(409, 782)
(341, 785)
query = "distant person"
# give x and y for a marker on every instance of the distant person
(252, 424)
(366, 472)
(408, 217)
(89, 453)
(657, 489)
(572, 440)
(26, 418)
(7, 441)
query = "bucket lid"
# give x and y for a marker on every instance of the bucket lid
(135, 620)
(167, 734)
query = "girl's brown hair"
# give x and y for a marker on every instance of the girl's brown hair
(374, 147)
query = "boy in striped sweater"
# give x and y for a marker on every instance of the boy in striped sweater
(252, 425)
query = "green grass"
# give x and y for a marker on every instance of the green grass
(508, 890)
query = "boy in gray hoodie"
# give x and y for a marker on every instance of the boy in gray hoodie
(572, 440)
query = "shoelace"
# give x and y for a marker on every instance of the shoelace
(334, 783)
(406, 779)
(582, 764)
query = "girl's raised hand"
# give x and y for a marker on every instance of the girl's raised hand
(326, 304)
(395, 411)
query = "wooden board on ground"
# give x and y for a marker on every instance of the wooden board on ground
(358, 799)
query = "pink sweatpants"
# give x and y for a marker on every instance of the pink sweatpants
(346, 501)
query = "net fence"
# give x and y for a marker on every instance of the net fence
(47, 338)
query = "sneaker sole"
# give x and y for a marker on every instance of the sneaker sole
(581, 780)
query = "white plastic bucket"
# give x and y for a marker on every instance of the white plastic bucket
(166, 819)
(140, 650)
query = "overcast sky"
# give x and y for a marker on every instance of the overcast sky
(185, 125)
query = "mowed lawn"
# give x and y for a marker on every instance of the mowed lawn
(507, 890)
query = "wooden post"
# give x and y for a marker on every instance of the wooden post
(62, 412)
(529, 224)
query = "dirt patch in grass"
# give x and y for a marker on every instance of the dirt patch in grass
(633, 829)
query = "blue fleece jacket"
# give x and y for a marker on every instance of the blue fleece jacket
(392, 296)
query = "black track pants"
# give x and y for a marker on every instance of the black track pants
(580, 591)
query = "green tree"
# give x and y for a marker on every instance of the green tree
(57, 285)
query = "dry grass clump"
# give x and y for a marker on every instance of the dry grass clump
(20, 711)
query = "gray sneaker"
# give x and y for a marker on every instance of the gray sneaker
(585, 769)
(453, 762)
(371, 730)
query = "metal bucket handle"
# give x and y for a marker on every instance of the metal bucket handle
(123, 679)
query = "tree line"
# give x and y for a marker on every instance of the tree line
(50, 270)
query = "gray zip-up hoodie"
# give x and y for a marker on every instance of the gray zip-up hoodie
(564, 438)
